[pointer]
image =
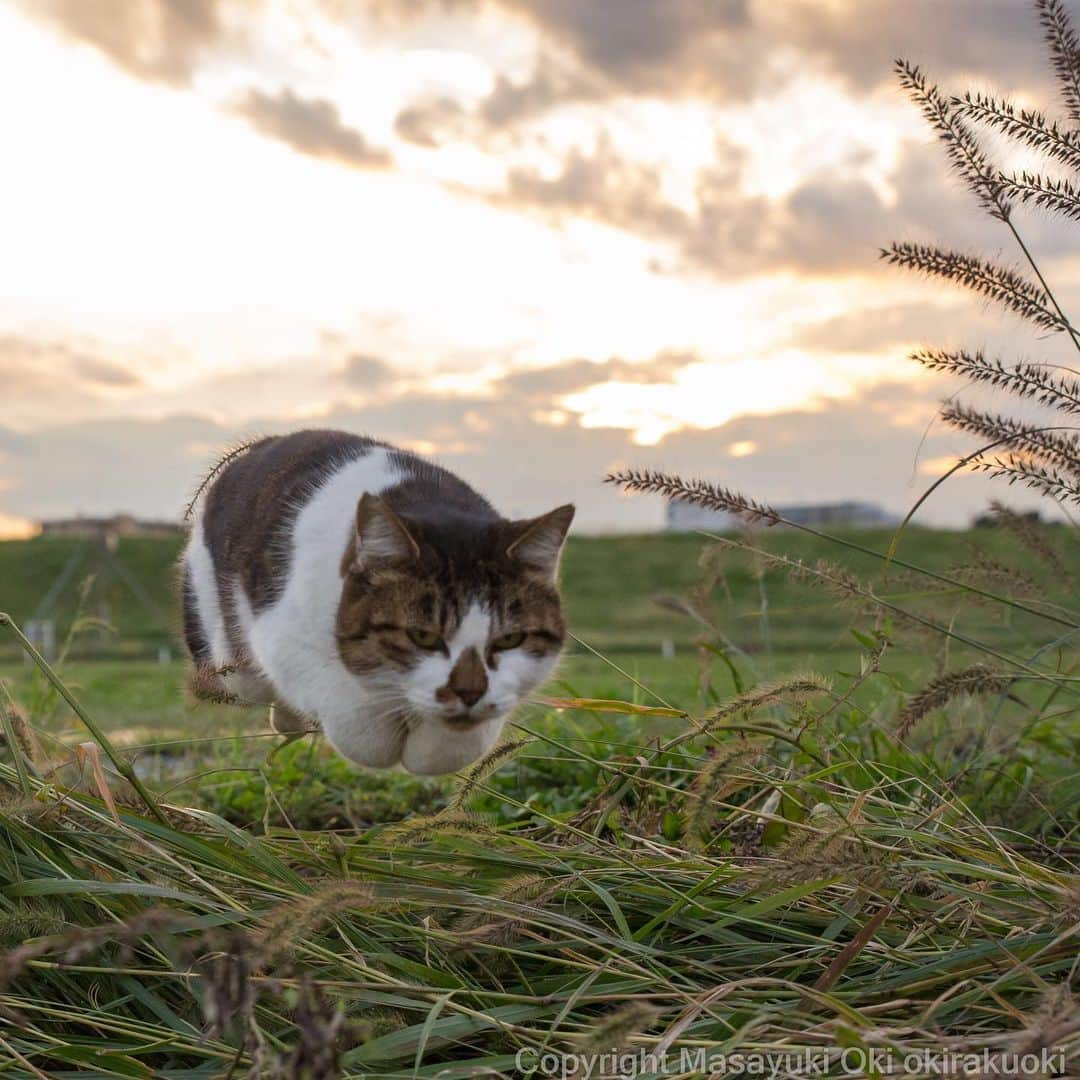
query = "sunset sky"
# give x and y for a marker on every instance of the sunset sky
(536, 239)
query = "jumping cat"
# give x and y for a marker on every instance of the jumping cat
(360, 588)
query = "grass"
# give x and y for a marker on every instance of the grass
(717, 858)
(633, 568)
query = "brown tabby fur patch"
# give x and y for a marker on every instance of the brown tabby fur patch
(379, 606)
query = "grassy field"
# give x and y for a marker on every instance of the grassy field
(631, 642)
(611, 586)
(781, 807)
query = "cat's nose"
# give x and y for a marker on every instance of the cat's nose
(468, 678)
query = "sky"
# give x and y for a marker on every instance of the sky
(536, 240)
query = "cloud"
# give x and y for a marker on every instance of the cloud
(366, 371)
(831, 223)
(640, 44)
(723, 50)
(857, 41)
(733, 51)
(539, 385)
(155, 40)
(523, 462)
(875, 329)
(430, 122)
(99, 372)
(57, 374)
(592, 53)
(599, 185)
(310, 126)
(434, 120)
(551, 83)
(395, 11)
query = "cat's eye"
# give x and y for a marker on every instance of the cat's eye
(425, 639)
(508, 641)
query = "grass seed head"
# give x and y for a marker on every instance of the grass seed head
(493, 760)
(497, 928)
(428, 827)
(288, 924)
(613, 1031)
(976, 679)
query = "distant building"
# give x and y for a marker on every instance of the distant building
(108, 530)
(686, 517)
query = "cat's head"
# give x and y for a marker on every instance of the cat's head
(452, 621)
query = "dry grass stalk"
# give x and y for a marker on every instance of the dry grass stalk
(1038, 457)
(1057, 448)
(1034, 538)
(1064, 46)
(493, 760)
(1027, 126)
(230, 455)
(613, 1032)
(836, 580)
(1046, 479)
(697, 492)
(448, 823)
(289, 923)
(1001, 284)
(823, 847)
(983, 570)
(24, 734)
(1059, 196)
(228, 991)
(320, 1025)
(1056, 1018)
(493, 928)
(1034, 382)
(720, 779)
(977, 679)
(796, 689)
(965, 154)
(75, 945)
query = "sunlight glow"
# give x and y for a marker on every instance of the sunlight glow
(708, 395)
(17, 528)
(742, 448)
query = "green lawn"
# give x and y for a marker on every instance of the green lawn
(753, 624)
(610, 585)
(768, 625)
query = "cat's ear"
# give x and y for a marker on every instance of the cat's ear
(381, 536)
(538, 542)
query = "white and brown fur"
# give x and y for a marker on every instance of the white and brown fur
(362, 589)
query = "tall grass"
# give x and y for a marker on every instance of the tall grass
(821, 865)
(1043, 452)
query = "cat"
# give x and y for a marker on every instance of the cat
(364, 590)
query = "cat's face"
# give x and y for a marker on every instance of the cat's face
(451, 624)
